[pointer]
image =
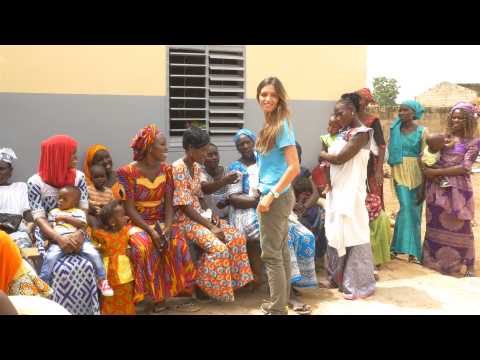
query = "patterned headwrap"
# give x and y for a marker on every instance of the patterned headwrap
(55, 155)
(465, 106)
(245, 132)
(395, 146)
(91, 151)
(7, 155)
(143, 140)
(366, 94)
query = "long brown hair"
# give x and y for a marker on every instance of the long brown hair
(273, 121)
(470, 127)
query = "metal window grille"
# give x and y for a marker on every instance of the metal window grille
(206, 89)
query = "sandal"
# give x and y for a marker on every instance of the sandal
(301, 309)
(158, 308)
(187, 308)
(469, 273)
(413, 260)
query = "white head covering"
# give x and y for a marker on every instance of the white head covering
(7, 155)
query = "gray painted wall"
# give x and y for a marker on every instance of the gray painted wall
(27, 119)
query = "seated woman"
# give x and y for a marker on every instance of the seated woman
(162, 265)
(16, 275)
(15, 216)
(100, 155)
(244, 198)
(215, 183)
(308, 212)
(224, 265)
(57, 168)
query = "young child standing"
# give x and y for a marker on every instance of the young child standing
(113, 239)
(67, 219)
(98, 194)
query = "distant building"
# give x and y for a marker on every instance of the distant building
(447, 94)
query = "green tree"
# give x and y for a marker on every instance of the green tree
(385, 91)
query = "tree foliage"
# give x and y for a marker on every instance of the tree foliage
(385, 91)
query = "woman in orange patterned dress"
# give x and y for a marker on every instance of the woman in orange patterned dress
(113, 239)
(224, 265)
(162, 264)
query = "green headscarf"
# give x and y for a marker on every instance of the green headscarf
(395, 146)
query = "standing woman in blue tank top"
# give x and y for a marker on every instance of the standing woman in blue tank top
(278, 166)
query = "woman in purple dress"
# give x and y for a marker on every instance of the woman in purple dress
(449, 242)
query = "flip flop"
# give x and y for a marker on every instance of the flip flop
(158, 308)
(186, 308)
(303, 309)
(469, 274)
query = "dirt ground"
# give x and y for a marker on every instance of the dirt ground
(403, 288)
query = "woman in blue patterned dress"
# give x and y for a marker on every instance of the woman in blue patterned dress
(57, 169)
(244, 198)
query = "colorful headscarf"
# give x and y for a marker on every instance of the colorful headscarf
(7, 155)
(143, 140)
(366, 94)
(91, 151)
(10, 260)
(465, 106)
(56, 153)
(395, 146)
(245, 132)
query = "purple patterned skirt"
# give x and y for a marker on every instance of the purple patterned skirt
(448, 241)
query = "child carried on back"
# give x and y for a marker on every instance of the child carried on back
(66, 220)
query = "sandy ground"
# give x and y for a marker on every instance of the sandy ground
(403, 288)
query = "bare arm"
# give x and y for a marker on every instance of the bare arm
(450, 171)
(243, 201)
(312, 200)
(349, 150)
(211, 187)
(79, 224)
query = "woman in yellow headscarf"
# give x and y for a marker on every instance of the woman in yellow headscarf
(17, 277)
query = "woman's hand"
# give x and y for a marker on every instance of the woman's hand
(231, 178)
(67, 244)
(215, 219)
(379, 176)
(265, 203)
(218, 232)
(428, 172)
(323, 155)
(299, 209)
(158, 242)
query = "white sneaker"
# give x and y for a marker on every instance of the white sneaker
(105, 288)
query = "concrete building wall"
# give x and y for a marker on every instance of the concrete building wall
(104, 94)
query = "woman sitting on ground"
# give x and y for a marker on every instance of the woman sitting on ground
(224, 265)
(215, 183)
(15, 216)
(161, 261)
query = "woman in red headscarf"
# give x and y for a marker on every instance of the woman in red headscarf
(58, 161)
(380, 231)
(161, 260)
